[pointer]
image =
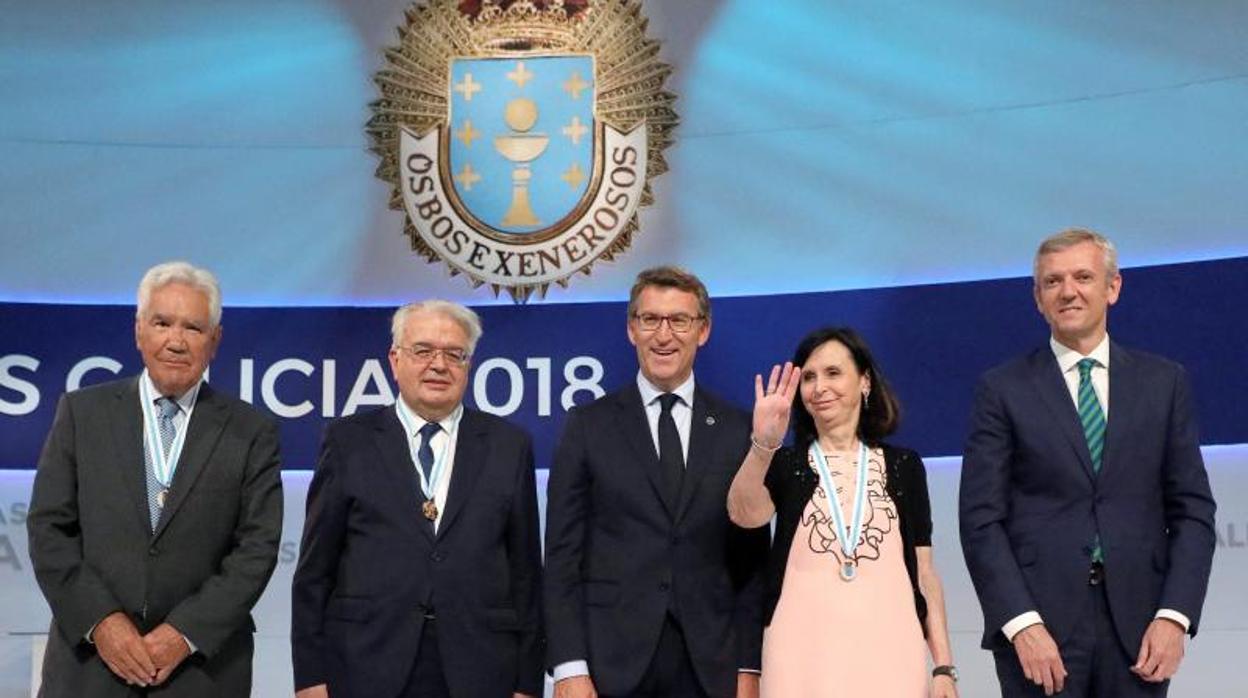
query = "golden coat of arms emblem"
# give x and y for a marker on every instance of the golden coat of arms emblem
(520, 137)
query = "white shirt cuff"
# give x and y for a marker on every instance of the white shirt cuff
(1171, 614)
(1019, 622)
(567, 670)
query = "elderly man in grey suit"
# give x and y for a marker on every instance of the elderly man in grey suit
(156, 514)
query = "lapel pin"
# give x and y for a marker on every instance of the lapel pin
(710, 421)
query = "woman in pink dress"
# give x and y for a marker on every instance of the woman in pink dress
(853, 604)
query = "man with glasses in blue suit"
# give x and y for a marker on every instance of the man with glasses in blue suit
(420, 568)
(646, 590)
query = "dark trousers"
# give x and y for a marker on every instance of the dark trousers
(671, 673)
(1097, 665)
(426, 679)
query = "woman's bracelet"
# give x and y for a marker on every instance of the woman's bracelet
(765, 449)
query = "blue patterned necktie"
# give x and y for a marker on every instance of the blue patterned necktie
(1092, 418)
(167, 409)
(424, 454)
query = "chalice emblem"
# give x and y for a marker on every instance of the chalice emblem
(521, 147)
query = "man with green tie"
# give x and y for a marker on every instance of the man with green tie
(1088, 531)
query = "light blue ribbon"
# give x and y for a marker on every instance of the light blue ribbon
(848, 537)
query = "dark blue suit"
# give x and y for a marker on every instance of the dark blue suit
(1031, 504)
(620, 557)
(371, 567)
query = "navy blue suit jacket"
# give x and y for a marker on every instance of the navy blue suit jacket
(1031, 505)
(620, 556)
(370, 566)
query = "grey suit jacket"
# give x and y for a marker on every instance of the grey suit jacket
(202, 570)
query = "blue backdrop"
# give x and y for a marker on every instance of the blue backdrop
(932, 341)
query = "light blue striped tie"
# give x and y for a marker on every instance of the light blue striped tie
(168, 408)
(1092, 418)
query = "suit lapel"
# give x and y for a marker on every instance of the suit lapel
(204, 431)
(471, 448)
(1126, 389)
(1051, 387)
(398, 469)
(636, 429)
(127, 430)
(702, 442)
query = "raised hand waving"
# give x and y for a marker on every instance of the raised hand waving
(773, 403)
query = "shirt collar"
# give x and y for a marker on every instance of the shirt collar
(650, 393)
(1067, 357)
(185, 401)
(416, 422)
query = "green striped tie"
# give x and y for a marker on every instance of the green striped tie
(1090, 413)
(1092, 417)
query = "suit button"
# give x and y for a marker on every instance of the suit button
(665, 585)
(153, 551)
(675, 539)
(437, 556)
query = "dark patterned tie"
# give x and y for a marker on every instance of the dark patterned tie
(167, 409)
(671, 454)
(1092, 418)
(424, 454)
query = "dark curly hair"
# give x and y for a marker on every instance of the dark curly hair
(881, 413)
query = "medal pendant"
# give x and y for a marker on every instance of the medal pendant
(430, 510)
(849, 570)
(161, 496)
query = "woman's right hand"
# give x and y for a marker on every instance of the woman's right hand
(773, 403)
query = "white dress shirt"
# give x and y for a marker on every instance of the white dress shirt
(443, 446)
(185, 402)
(682, 411)
(682, 414)
(1068, 361)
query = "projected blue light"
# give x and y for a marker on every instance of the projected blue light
(856, 148)
(822, 146)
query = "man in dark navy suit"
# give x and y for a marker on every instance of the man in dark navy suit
(420, 568)
(1088, 531)
(647, 581)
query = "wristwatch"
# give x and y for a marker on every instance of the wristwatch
(946, 670)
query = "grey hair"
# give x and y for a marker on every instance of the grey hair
(1071, 237)
(467, 319)
(167, 273)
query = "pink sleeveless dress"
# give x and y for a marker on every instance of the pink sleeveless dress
(832, 638)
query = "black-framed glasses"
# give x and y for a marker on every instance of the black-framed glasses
(426, 354)
(677, 322)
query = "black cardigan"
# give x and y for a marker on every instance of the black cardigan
(792, 483)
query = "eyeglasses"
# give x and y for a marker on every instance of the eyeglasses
(426, 354)
(679, 323)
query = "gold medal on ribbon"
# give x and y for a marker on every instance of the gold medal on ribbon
(430, 510)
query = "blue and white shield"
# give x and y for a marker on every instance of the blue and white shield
(521, 138)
